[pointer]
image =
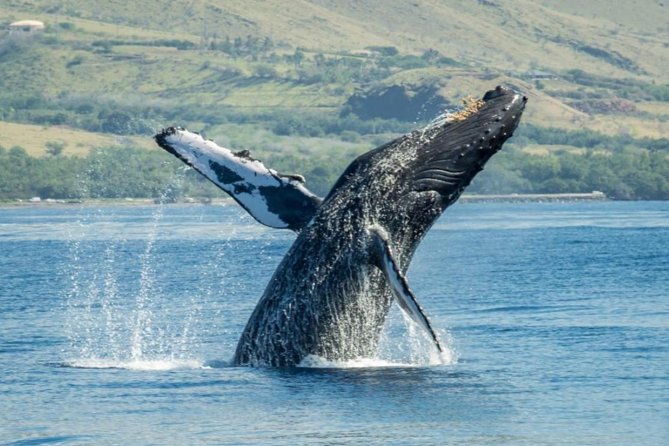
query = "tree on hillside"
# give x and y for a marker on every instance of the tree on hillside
(55, 148)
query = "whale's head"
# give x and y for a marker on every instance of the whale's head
(458, 147)
(405, 185)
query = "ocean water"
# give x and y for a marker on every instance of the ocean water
(117, 325)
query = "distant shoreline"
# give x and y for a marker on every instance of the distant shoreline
(466, 198)
(46, 203)
(514, 198)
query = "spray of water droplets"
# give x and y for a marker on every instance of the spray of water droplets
(120, 309)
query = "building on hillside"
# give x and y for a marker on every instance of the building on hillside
(26, 26)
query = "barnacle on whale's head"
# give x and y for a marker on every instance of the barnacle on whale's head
(471, 106)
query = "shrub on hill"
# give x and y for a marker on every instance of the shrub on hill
(126, 172)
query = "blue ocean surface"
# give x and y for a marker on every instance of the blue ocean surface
(117, 325)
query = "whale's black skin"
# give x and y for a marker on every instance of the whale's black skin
(328, 296)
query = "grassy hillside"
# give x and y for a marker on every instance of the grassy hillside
(278, 76)
(507, 34)
(35, 139)
(104, 50)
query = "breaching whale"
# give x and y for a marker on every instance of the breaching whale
(331, 293)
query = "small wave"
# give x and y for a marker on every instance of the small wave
(47, 440)
(140, 364)
(317, 362)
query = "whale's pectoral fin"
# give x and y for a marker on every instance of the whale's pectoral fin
(275, 200)
(399, 286)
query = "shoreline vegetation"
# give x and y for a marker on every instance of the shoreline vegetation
(136, 173)
(223, 201)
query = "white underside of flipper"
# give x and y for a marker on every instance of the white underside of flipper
(263, 192)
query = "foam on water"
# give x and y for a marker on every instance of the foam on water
(138, 364)
(316, 362)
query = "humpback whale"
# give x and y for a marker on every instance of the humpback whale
(332, 291)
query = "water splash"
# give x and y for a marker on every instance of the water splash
(404, 342)
(143, 339)
(118, 316)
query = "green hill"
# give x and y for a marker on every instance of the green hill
(281, 77)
